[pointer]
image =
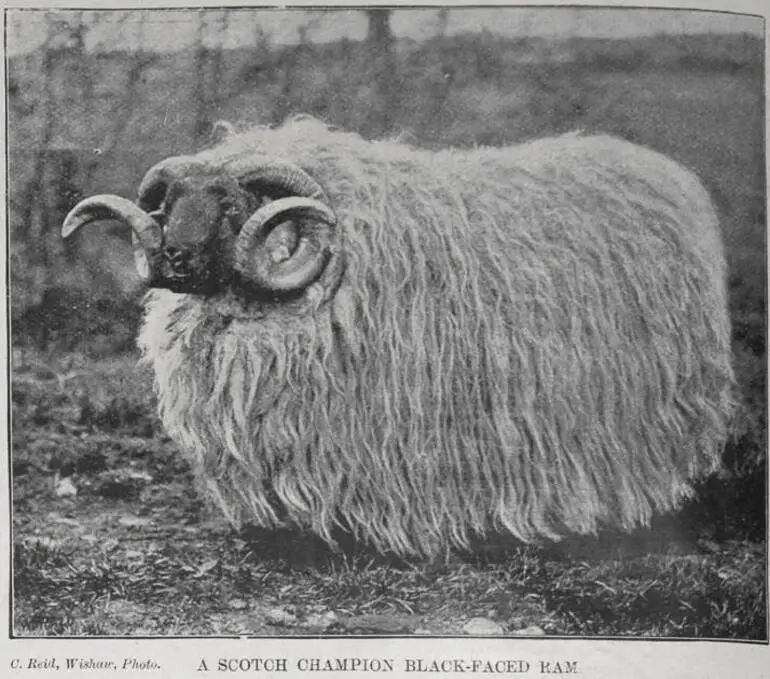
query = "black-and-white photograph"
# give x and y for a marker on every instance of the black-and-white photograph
(395, 322)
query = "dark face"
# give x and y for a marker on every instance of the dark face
(200, 217)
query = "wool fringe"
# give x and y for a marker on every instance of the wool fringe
(532, 340)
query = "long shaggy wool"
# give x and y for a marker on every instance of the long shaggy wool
(532, 340)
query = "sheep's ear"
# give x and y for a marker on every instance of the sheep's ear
(220, 131)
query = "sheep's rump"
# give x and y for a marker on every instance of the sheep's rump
(532, 340)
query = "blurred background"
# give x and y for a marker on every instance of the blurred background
(96, 97)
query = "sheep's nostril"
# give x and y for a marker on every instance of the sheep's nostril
(173, 254)
(177, 259)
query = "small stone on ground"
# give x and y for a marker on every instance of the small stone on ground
(277, 616)
(482, 626)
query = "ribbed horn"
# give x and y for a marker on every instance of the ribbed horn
(271, 171)
(315, 231)
(147, 236)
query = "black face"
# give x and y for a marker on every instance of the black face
(200, 218)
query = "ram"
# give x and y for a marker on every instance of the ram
(424, 348)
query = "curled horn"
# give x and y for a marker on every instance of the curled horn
(271, 171)
(146, 233)
(315, 226)
(162, 173)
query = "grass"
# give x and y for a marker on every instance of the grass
(107, 560)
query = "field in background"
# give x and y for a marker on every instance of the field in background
(105, 516)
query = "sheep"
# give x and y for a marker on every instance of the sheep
(444, 345)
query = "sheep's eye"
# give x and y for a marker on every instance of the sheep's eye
(229, 209)
(257, 200)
